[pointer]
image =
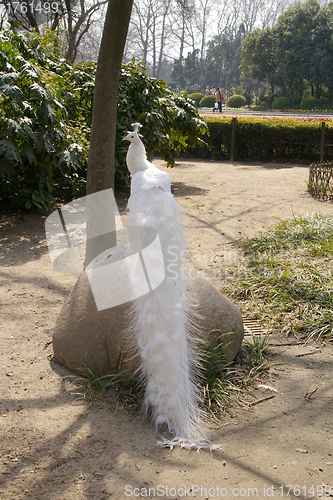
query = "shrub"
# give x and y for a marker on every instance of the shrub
(196, 97)
(267, 139)
(311, 103)
(239, 90)
(236, 101)
(207, 102)
(170, 122)
(36, 143)
(45, 120)
(282, 103)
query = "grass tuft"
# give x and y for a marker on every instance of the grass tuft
(225, 385)
(128, 387)
(287, 280)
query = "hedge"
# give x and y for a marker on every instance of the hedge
(266, 139)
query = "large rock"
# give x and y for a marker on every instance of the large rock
(84, 336)
(219, 318)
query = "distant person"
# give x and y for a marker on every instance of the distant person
(218, 100)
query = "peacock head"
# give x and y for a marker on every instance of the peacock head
(133, 136)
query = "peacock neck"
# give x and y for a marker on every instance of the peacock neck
(136, 158)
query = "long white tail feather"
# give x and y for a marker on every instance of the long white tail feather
(188, 444)
(163, 318)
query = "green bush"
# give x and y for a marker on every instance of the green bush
(207, 102)
(282, 103)
(236, 101)
(196, 97)
(46, 114)
(36, 143)
(170, 123)
(239, 90)
(311, 103)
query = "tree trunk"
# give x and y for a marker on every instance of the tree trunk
(181, 52)
(146, 39)
(330, 95)
(162, 38)
(70, 49)
(318, 91)
(100, 175)
(154, 47)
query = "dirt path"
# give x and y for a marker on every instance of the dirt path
(57, 445)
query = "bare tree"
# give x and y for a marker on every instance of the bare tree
(204, 9)
(76, 17)
(89, 46)
(169, 29)
(156, 28)
(183, 14)
(140, 29)
(77, 22)
(273, 9)
(248, 14)
(164, 33)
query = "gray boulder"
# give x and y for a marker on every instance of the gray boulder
(84, 336)
(219, 318)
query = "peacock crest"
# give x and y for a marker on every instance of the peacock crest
(136, 126)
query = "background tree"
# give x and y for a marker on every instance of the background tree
(222, 61)
(219, 55)
(76, 19)
(250, 14)
(204, 18)
(184, 12)
(258, 57)
(153, 31)
(295, 54)
(77, 22)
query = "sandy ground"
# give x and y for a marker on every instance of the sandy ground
(56, 444)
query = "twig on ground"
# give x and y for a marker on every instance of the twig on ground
(262, 400)
(307, 353)
(284, 344)
(308, 395)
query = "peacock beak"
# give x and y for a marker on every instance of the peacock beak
(126, 138)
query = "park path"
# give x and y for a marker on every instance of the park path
(56, 444)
